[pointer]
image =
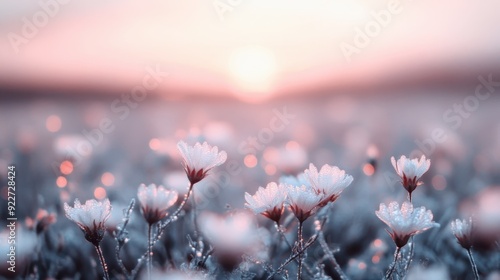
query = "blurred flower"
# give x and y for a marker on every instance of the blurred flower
(44, 220)
(177, 181)
(330, 181)
(303, 201)
(25, 246)
(199, 159)
(410, 171)
(175, 275)
(90, 217)
(268, 201)
(430, 273)
(462, 229)
(405, 222)
(231, 235)
(155, 202)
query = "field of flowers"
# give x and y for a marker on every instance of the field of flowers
(336, 187)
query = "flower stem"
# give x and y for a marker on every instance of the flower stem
(473, 264)
(282, 234)
(410, 255)
(331, 256)
(195, 219)
(150, 250)
(300, 242)
(103, 262)
(186, 197)
(393, 264)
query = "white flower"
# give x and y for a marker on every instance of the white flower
(303, 201)
(406, 221)
(462, 229)
(155, 202)
(268, 201)
(90, 217)
(199, 159)
(410, 171)
(330, 181)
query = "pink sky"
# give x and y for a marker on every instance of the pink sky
(261, 47)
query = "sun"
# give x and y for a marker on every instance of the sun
(253, 71)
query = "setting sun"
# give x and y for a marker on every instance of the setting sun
(253, 70)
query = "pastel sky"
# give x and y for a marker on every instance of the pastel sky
(249, 48)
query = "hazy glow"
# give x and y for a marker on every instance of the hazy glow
(99, 193)
(253, 71)
(107, 179)
(66, 167)
(250, 161)
(155, 144)
(53, 123)
(61, 182)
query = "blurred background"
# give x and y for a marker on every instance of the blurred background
(95, 95)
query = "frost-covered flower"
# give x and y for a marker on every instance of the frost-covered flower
(330, 181)
(90, 217)
(199, 159)
(268, 201)
(410, 171)
(155, 202)
(406, 221)
(303, 201)
(462, 229)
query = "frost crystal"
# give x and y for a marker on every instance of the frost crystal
(268, 201)
(155, 201)
(199, 159)
(330, 181)
(410, 171)
(462, 229)
(90, 217)
(406, 221)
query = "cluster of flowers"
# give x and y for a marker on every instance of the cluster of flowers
(304, 195)
(155, 201)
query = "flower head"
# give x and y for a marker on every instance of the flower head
(199, 159)
(330, 181)
(155, 202)
(90, 217)
(405, 222)
(462, 229)
(268, 201)
(410, 171)
(303, 201)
